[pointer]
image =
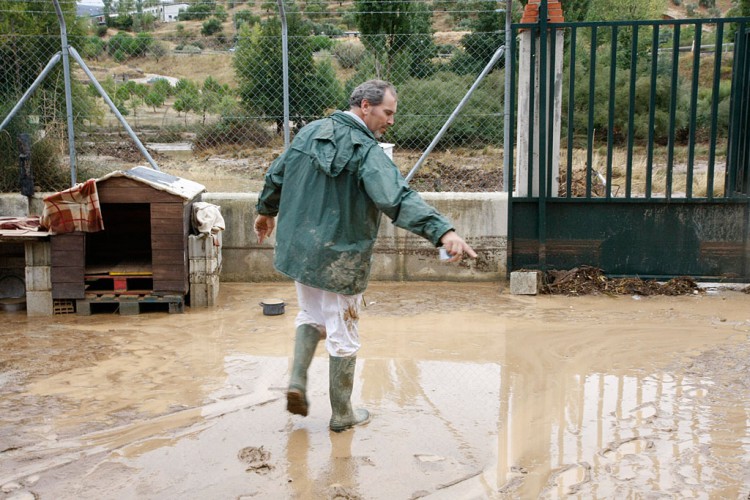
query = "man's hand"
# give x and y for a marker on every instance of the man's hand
(264, 225)
(456, 246)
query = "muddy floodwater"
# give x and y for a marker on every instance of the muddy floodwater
(475, 393)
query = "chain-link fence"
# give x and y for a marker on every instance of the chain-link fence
(203, 90)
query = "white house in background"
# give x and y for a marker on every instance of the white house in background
(166, 12)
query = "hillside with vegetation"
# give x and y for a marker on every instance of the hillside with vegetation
(212, 78)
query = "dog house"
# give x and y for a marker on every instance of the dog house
(142, 253)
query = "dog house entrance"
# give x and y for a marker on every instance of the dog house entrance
(119, 258)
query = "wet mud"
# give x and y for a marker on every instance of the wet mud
(475, 393)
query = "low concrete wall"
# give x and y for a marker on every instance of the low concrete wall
(480, 218)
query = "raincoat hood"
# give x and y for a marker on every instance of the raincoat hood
(332, 146)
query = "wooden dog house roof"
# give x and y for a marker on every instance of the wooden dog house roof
(178, 186)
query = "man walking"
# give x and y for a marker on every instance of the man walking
(329, 189)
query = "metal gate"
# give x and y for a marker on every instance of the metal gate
(632, 147)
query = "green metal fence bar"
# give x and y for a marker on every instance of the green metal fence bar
(744, 160)
(744, 153)
(740, 95)
(652, 110)
(571, 109)
(693, 110)
(611, 111)
(648, 22)
(592, 88)
(736, 107)
(543, 93)
(631, 113)
(718, 55)
(672, 109)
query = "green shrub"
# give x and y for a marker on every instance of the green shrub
(426, 104)
(191, 49)
(245, 17)
(211, 27)
(349, 54)
(233, 131)
(92, 47)
(45, 160)
(321, 42)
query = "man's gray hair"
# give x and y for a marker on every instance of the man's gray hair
(373, 91)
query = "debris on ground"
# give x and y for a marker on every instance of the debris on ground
(256, 459)
(587, 280)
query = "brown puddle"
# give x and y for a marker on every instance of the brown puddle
(475, 394)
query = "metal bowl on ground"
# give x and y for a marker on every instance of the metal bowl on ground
(10, 304)
(272, 307)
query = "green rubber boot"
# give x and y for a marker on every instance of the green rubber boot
(340, 383)
(305, 342)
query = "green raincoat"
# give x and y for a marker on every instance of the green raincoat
(329, 189)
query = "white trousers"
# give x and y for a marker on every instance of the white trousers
(334, 314)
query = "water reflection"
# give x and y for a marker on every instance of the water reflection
(594, 435)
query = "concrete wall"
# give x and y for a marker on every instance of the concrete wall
(480, 218)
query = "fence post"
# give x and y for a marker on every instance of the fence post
(529, 55)
(68, 93)
(24, 158)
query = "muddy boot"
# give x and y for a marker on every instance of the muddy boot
(340, 383)
(304, 349)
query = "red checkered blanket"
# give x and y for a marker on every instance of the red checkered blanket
(75, 209)
(30, 223)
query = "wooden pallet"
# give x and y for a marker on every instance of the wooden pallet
(136, 283)
(129, 304)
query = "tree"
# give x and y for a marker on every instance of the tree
(211, 97)
(158, 49)
(162, 86)
(244, 17)
(258, 66)
(211, 27)
(398, 34)
(486, 37)
(106, 11)
(187, 97)
(32, 33)
(624, 10)
(576, 10)
(201, 10)
(315, 7)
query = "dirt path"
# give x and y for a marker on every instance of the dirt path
(475, 394)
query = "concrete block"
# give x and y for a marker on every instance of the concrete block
(39, 303)
(203, 278)
(83, 308)
(205, 266)
(202, 247)
(525, 282)
(38, 253)
(129, 308)
(38, 278)
(205, 294)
